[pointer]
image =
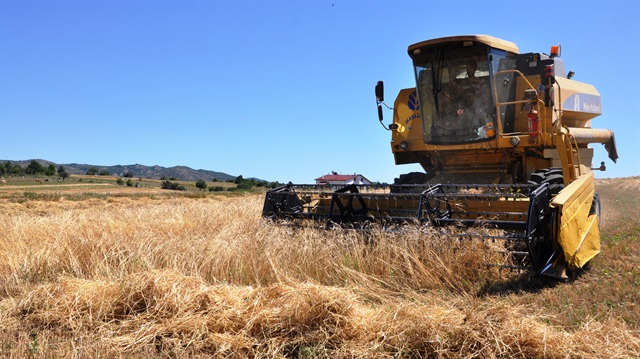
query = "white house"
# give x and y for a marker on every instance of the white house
(335, 179)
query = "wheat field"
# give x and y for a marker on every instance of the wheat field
(184, 277)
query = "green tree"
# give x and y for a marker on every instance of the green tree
(201, 184)
(92, 171)
(34, 168)
(51, 170)
(238, 180)
(16, 170)
(62, 172)
(8, 166)
(3, 169)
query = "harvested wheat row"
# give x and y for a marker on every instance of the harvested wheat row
(166, 312)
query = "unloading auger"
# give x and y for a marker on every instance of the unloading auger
(515, 124)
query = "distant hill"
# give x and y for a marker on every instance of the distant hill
(153, 172)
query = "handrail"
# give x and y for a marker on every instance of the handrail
(495, 95)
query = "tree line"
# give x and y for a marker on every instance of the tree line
(241, 183)
(36, 168)
(33, 168)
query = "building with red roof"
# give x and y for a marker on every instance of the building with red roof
(335, 179)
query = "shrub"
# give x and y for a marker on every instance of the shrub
(201, 184)
(275, 184)
(172, 186)
(245, 185)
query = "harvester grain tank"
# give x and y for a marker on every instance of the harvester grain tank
(503, 138)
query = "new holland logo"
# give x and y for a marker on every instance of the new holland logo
(414, 106)
(413, 102)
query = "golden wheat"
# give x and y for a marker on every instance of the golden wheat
(207, 277)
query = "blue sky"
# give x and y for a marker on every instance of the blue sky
(279, 90)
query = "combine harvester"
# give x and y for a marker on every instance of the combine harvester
(503, 138)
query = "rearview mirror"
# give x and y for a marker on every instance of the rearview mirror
(379, 98)
(380, 91)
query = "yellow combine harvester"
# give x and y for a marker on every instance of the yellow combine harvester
(503, 138)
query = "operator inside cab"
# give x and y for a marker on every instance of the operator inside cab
(454, 86)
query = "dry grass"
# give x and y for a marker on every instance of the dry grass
(206, 277)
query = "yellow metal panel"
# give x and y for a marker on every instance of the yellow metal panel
(578, 233)
(408, 120)
(589, 246)
(485, 39)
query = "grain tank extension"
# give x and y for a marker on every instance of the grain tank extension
(503, 139)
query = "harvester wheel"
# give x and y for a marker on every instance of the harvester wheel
(554, 178)
(538, 177)
(553, 171)
(556, 188)
(410, 178)
(551, 176)
(556, 183)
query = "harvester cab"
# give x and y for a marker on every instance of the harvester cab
(503, 139)
(481, 111)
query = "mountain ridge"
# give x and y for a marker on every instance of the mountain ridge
(184, 173)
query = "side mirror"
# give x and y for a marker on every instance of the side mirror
(379, 98)
(380, 91)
